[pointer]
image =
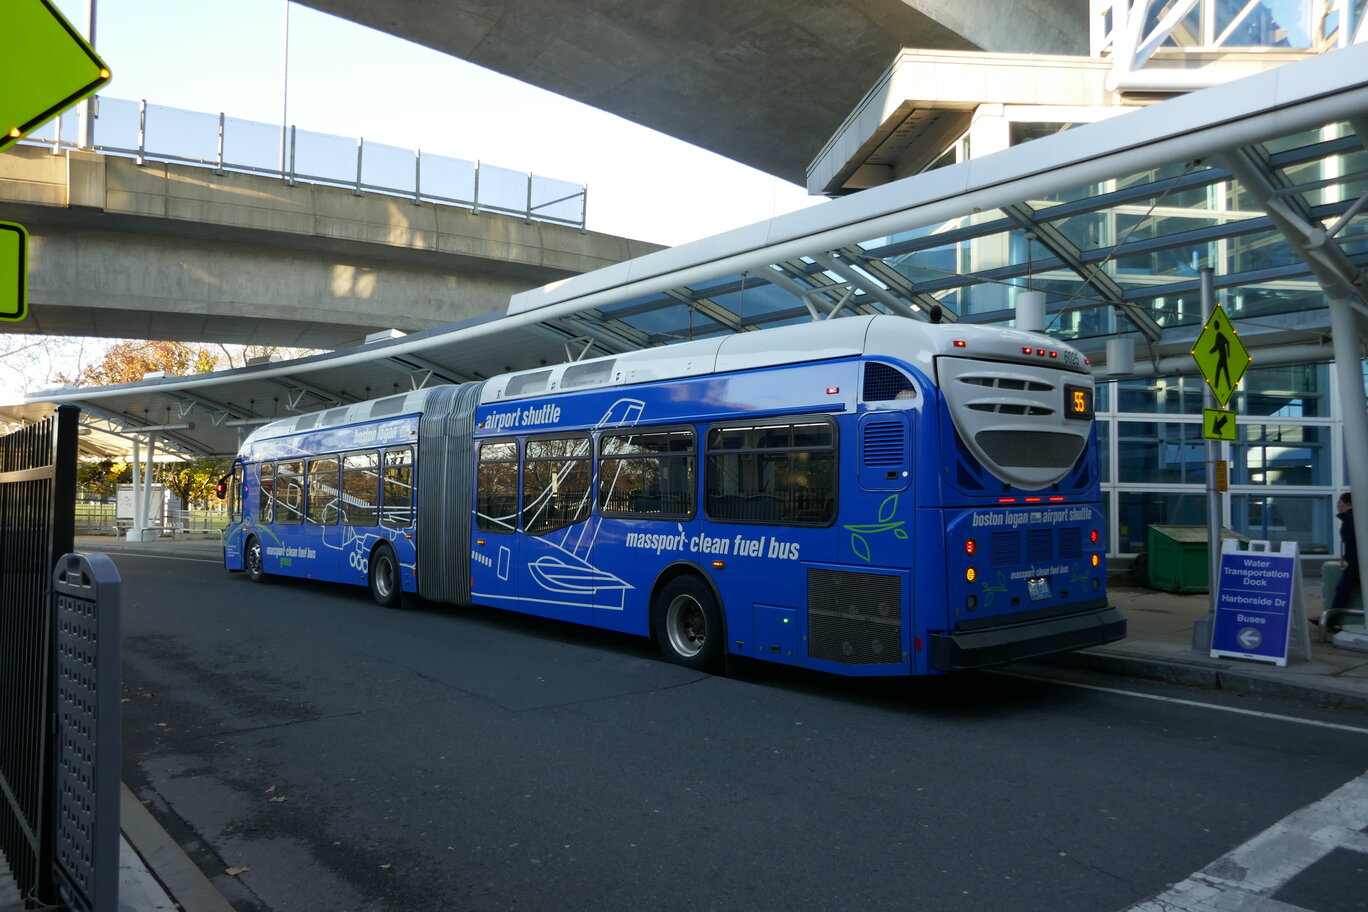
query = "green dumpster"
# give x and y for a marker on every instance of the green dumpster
(1178, 557)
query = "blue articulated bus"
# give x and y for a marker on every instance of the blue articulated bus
(867, 496)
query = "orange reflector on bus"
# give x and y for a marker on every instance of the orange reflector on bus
(971, 574)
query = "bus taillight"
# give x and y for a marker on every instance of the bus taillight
(1092, 536)
(970, 546)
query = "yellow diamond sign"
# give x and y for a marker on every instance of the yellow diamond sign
(46, 67)
(1221, 356)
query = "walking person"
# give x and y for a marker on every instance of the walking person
(1349, 580)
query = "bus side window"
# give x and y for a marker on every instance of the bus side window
(396, 501)
(556, 479)
(235, 493)
(289, 493)
(361, 489)
(323, 491)
(266, 493)
(647, 473)
(775, 472)
(496, 487)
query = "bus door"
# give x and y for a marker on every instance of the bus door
(495, 539)
(320, 550)
(556, 577)
(232, 487)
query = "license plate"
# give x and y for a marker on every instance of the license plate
(1038, 588)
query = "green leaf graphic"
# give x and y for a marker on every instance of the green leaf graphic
(888, 508)
(860, 546)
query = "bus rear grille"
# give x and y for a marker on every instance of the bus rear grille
(1036, 449)
(854, 618)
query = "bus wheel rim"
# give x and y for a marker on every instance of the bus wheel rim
(686, 625)
(383, 576)
(254, 557)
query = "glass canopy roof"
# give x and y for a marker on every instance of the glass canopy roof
(1113, 257)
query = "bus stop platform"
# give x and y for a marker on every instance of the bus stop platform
(1157, 646)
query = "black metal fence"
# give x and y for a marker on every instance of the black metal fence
(37, 500)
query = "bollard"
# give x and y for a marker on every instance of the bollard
(88, 712)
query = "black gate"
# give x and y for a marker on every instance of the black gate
(37, 523)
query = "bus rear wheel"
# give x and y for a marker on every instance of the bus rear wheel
(385, 585)
(251, 559)
(688, 624)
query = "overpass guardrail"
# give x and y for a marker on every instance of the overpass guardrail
(150, 132)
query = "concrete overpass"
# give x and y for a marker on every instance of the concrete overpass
(764, 82)
(171, 251)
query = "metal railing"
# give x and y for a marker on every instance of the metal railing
(102, 519)
(147, 132)
(37, 488)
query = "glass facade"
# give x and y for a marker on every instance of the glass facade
(1283, 468)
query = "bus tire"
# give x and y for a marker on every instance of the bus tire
(688, 624)
(386, 583)
(252, 560)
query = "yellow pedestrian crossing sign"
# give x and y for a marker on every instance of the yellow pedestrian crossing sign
(13, 271)
(46, 68)
(1220, 356)
(1218, 424)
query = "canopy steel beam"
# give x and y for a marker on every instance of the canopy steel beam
(1053, 240)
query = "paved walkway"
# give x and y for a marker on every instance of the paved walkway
(1158, 646)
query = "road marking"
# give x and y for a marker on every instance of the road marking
(197, 560)
(1257, 870)
(1197, 703)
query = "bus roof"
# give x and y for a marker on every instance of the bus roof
(881, 335)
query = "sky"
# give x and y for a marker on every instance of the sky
(348, 80)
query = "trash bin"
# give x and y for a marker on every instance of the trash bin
(1178, 559)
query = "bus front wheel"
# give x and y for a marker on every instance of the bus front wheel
(385, 585)
(688, 624)
(251, 558)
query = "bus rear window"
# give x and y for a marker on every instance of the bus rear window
(780, 472)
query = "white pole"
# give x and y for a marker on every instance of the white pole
(85, 111)
(1348, 345)
(285, 92)
(135, 530)
(147, 487)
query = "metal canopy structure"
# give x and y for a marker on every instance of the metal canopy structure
(1264, 180)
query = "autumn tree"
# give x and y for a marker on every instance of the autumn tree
(128, 361)
(101, 478)
(193, 481)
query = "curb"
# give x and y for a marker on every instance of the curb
(1209, 676)
(184, 883)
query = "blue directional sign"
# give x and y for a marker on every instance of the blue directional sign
(1256, 595)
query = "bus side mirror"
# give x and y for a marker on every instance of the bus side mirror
(221, 489)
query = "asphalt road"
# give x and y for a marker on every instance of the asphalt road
(339, 756)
